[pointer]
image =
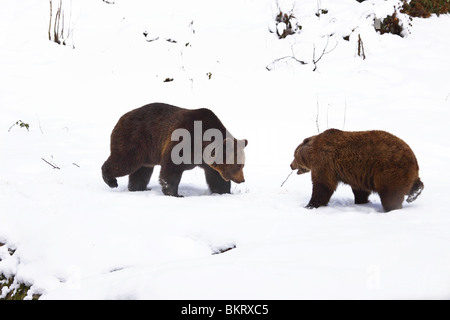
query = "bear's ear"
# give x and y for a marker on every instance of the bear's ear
(245, 142)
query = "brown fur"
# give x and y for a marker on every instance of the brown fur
(141, 139)
(368, 161)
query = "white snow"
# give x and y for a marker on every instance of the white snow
(74, 237)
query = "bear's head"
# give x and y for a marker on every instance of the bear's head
(231, 163)
(302, 156)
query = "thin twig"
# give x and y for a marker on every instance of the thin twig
(345, 113)
(54, 167)
(286, 179)
(361, 51)
(39, 123)
(62, 30)
(50, 23)
(56, 26)
(324, 52)
(292, 57)
(328, 109)
(317, 115)
(269, 68)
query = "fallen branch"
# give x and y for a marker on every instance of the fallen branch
(269, 67)
(52, 165)
(286, 179)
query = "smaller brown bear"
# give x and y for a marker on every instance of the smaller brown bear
(368, 161)
(177, 139)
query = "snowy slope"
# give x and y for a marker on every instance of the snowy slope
(75, 238)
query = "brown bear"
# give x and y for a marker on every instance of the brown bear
(368, 161)
(151, 135)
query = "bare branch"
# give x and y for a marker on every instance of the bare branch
(50, 23)
(270, 66)
(324, 52)
(57, 24)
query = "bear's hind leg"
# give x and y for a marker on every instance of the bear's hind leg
(391, 200)
(108, 178)
(108, 173)
(361, 197)
(117, 167)
(139, 180)
(216, 183)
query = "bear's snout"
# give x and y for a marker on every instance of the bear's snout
(294, 165)
(239, 179)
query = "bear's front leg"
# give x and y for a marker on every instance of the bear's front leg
(215, 182)
(320, 196)
(169, 178)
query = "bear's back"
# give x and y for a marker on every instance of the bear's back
(172, 117)
(150, 127)
(373, 144)
(358, 157)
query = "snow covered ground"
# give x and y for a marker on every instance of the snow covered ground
(74, 237)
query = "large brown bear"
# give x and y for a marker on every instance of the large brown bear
(368, 161)
(151, 135)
